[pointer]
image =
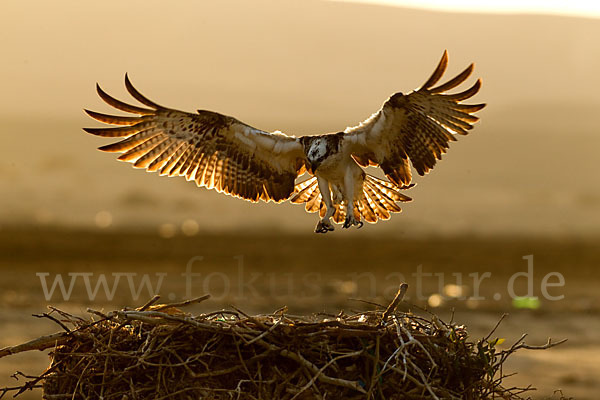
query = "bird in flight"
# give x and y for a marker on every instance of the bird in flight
(220, 152)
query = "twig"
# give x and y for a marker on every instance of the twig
(313, 368)
(374, 375)
(183, 303)
(41, 343)
(323, 368)
(495, 327)
(394, 304)
(371, 303)
(46, 315)
(548, 345)
(265, 333)
(153, 300)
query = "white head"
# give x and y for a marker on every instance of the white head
(317, 150)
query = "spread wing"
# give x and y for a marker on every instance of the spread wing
(417, 126)
(214, 150)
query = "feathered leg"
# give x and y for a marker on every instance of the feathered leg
(325, 225)
(349, 182)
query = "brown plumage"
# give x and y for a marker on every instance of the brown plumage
(417, 126)
(222, 153)
(207, 148)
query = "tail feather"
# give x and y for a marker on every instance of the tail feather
(380, 210)
(389, 189)
(366, 211)
(308, 192)
(313, 204)
(340, 214)
(379, 199)
(357, 212)
(388, 202)
(303, 190)
(322, 209)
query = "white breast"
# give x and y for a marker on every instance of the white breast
(334, 167)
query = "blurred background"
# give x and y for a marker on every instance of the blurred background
(523, 183)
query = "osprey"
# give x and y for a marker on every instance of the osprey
(222, 153)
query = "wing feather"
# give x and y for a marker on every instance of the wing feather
(470, 92)
(130, 142)
(119, 105)
(416, 127)
(216, 151)
(438, 72)
(140, 97)
(178, 168)
(138, 151)
(114, 119)
(162, 159)
(120, 132)
(145, 160)
(173, 160)
(469, 108)
(454, 82)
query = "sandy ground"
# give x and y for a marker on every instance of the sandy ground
(261, 272)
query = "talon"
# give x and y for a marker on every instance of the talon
(350, 221)
(323, 227)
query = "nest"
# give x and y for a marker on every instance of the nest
(159, 352)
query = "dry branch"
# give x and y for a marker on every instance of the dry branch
(41, 343)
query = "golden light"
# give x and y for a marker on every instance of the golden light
(435, 300)
(103, 219)
(167, 231)
(452, 290)
(190, 227)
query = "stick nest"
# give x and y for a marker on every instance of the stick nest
(160, 352)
